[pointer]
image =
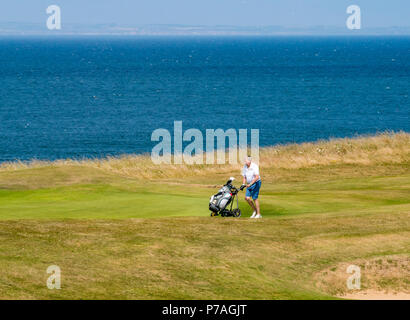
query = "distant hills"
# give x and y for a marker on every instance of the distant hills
(17, 28)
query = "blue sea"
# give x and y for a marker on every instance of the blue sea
(97, 96)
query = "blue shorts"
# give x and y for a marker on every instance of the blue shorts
(253, 190)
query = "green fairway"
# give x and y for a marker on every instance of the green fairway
(127, 198)
(119, 236)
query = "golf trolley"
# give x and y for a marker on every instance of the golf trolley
(219, 203)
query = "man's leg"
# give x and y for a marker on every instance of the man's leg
(256, 200)
(249, 200)
(258, 211)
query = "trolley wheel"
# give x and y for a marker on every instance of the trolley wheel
(213, 214)
(236, 213)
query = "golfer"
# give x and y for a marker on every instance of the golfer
(252, 180)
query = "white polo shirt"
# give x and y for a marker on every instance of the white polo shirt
(251, 172)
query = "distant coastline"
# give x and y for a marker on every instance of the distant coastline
(113, 29)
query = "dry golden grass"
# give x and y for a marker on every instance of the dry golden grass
(382, 274)
(387, 147)
(199, 257)
(384, 148)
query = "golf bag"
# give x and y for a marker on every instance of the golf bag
(222, 202)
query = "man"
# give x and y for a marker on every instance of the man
(252, 180)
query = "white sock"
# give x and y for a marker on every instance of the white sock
(253, 214)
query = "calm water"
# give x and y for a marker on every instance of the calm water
(91, 97)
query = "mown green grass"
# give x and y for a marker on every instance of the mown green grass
(99, 228)
(118, 197)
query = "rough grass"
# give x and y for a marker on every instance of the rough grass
(323, 210)
(193, 257)
(384, 148)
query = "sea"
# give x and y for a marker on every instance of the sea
(97, 96)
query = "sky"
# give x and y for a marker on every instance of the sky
(287, 13)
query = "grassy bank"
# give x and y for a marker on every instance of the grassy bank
(325, 205)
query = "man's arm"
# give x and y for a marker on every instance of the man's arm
(254, 180)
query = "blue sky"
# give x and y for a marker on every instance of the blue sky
(288, 13)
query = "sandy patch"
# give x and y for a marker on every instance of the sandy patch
(381, 278)
(376, 295)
